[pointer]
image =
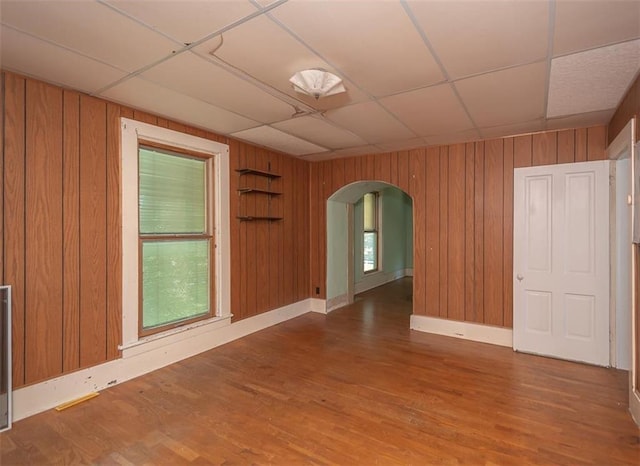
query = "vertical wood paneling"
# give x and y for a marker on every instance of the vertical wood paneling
(43, 207)
(493, 231)
(566, 146)
(114, 236)
(263, 252)
(456, 232)
(337, 178)
(275, 238)
(14, 215)
(316, 201)
(93, 260)
(544, 149)
(146, 117)
(507, 234)
(596, 143)
(403, 171)
(522, 146)
(327, 184)
(253, 243)
(393, 169)
(581, 145)
(303, 182)
(417, 169)
(71, 230)
(432, 211)
(383, 167)
(369, 167)
(444, 233)
(126, 112)
(469, 244)
(234, 230)
(288, 252)
(349, 170)
(477, 314)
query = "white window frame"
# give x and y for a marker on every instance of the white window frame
(379, 243)
(131, 132)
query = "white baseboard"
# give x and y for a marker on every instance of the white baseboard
(318, 305)
(135, 361)
(337, 302)
(466, 330)
(408, 272)
(376, 279)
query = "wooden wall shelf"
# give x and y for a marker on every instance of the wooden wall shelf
(248, 218)
(253, 171)
(259, 191)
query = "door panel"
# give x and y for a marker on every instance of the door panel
(561, 261)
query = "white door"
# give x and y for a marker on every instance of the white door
(561, 261)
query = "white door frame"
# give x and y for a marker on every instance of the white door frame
(623, 146)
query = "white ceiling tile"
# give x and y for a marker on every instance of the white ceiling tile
(265, 51)
(191, 75)
(33, 57)
(472, 37)
(276, 139)
(429, 111)
(371, 122)
(373, 43)
(320, 132)
(582, 120)
(592, 80)
(150, 97)
(91, 29)
(197, 19)
(581, 25)
(505, 97)
(513, 129)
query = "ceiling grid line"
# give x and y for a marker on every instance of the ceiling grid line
(337, 69)
(429, 46)
(196, 43)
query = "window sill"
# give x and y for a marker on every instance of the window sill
(173, 335)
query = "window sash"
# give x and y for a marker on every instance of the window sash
(179, 299)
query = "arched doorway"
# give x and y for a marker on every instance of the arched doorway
(345, 273)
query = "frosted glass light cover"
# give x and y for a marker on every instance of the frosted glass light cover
(317, 83)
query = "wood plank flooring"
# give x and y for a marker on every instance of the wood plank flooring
(356, 387)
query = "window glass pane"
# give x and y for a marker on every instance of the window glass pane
(172, 195)
(175, 281)
(370, 251)
(370, 211)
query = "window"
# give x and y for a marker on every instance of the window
(175, 238)
(370, 240)
(176, 262)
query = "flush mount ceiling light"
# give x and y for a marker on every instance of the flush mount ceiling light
(317, 83)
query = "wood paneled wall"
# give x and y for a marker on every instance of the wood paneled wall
(462, 211)
(61, 241)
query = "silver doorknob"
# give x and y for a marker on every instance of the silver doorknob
(519, 277)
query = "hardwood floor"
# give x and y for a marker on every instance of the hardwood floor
(354, 387)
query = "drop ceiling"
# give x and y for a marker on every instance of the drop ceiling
(417, 73)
